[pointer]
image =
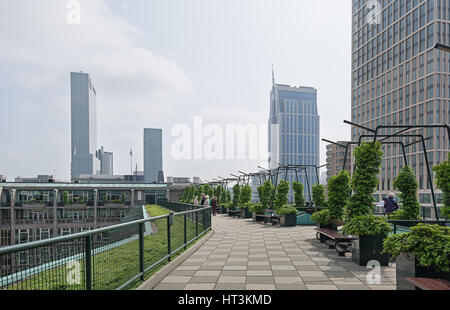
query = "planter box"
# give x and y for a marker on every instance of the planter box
(288, 220)
(408, 267)
(246, 214)
(224, 210)
(369, 248)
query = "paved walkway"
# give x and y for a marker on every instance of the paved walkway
(243, 255)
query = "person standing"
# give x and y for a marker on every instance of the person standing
(207, 201)
(196, 201)
(202, 202)
(390, 204)
(214, 205)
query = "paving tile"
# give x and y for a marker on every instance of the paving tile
(232, 279)
(321, 287)
(260, 287)
(260, 280)
(170, 286)
(290, 287)
(288, 280)
(174, 279)
(234, 267)
(283, 267)
(200, 286)
(207, 273)
(257, 273)
(230, 287)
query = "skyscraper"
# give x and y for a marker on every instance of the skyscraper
(398, 78)
(294, 132)
(106, 162)
(83, 125)
(153, 155)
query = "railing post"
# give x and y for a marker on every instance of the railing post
(204, 213)
(185, 232)
(141, 250)
(169, 251)
(196, 224)
(88, 261)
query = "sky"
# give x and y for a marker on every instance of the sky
(164, 64)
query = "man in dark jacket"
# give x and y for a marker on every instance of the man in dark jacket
(390, 204)
(202, 202)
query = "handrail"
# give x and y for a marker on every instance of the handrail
(35, 244)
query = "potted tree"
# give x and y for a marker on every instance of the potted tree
(421, 253)
(265, 193)
(443, 183)
(360, 221)
(245, 198)
(232, 206)
(318, 196)
(407, 184)
(288, 214)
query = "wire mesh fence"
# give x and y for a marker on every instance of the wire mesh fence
(102, 259)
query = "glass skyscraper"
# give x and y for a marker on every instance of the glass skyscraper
(294, 132)
(399, 78)
(83, 125)
(153, 155)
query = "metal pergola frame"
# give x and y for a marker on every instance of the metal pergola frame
(402, 128)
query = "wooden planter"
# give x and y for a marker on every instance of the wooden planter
(246, 214)
(369, 248)
(407, 266)
(288, 220)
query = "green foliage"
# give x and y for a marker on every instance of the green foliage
(223, 197)
(257, 207)
(338, 194)
(265, 193)
(318, 195)
(281, 198)
(368, 159)
(406, 183)
(228, 196)
(284, 210)
(367, 224)
(299, 197)
(443, 183)
(430, 244)
(236, 194)
(245, 196)
(66, 197)
(322, 217)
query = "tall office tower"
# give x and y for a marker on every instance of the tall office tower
(294, 132)
(106, 162)
(153, 155)
(335, 160)
(398, 78)
(84, 125)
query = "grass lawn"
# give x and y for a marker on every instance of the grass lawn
(116, 265)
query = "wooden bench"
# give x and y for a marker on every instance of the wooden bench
(267, 219)
(235, 213)
(341, 243)
(427, 284)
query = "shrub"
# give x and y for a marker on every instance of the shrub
(430, 244)
(338, 194)
(443, 183)
(367, 224)
(322, 217)
(318, 195)
(284, 210)
(245, 196)
(299, 197)
(406, 183)
(257, 207)
(265, 194)
(281, 198)
(368, 157)
(236, 193)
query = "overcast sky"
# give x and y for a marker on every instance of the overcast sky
(159, 63)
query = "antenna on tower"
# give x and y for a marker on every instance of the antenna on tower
(273, 76)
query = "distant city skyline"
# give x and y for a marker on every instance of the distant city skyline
(148, 61)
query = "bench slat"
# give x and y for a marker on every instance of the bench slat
(428, 284)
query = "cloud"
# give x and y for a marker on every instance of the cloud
(38, 51)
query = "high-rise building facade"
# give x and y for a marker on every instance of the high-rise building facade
(398, 78)
(294, 132)
(83, 125)
(106, 161)
(335, 160)
(153, 155)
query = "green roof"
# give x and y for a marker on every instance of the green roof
(81, 186)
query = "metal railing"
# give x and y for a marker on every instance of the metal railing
(102, 259)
